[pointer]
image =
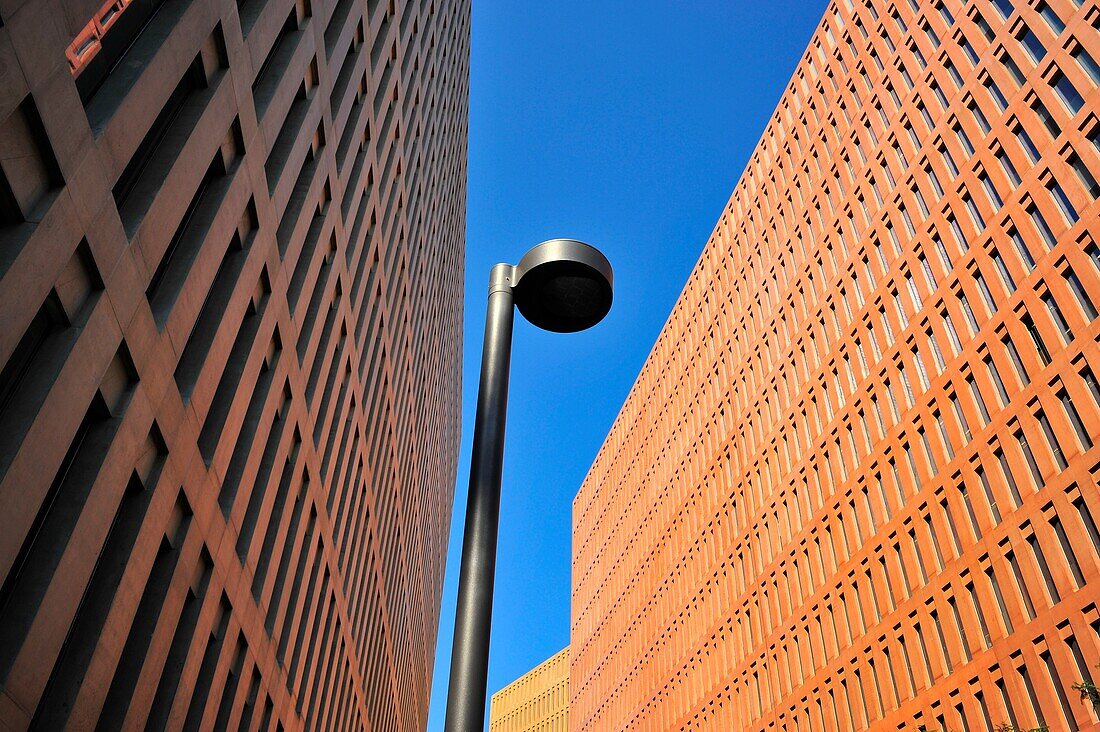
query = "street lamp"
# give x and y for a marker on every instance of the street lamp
(562, 286)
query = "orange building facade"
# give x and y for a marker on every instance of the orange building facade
(856, 482)
(231, 254)
(538, 701)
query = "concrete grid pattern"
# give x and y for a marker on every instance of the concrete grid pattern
(855, 483)
(231, 263)
(538, 701)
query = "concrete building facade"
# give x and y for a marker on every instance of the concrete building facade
(538, 701)
(231, 261)
(855, 485)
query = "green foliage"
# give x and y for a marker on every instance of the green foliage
(1090, 691)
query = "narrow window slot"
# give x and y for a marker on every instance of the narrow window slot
(80, 643)
(47, 539)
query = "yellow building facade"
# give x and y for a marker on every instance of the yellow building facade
(538, 701)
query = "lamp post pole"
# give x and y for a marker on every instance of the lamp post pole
(470, 653)
(562, 286)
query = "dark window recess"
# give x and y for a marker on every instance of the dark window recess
(201, 694)
(233, 372)
(1046, 118)
(193, 79)
(10, 213)
(128, 670)
(249, 707)
(182, 640)
(288, 138)
(1088, 522)
(1044, 568)
(236, 470)
(49, 319)
(1067, 92)
(248, 11)
(114, 44)
(261, 486)
(44, 544)
(269, 711)
(274, 522)
(28, 168)
(153, 292)
(275, 600)
(1086, 177)
(336, 24)
(232, 680)
(1036, 339)
(80, 642)
(1032, 44)
(262, 88)
(210, 316)
(1067, 551)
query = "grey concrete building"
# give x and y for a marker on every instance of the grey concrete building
(231, 259)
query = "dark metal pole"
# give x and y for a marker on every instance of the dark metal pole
(470, 653)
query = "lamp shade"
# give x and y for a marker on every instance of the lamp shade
(563, 285)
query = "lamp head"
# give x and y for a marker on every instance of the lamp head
(563, 285)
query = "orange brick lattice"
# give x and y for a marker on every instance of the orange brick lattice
(538, 701)
(855, 483)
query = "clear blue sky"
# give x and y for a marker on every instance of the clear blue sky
(626, 125)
